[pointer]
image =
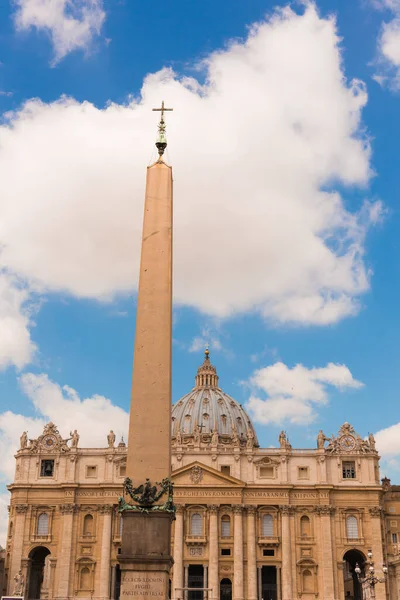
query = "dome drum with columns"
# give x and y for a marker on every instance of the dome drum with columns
(208, 416)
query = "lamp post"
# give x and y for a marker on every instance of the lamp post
(370, 578)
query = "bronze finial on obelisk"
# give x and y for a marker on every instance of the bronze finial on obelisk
(147, 506)
(161, 142)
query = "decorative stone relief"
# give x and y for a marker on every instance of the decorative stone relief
(21, 508)
(196, 551)
(68, 509)
(375, 511)
(196, 474)
(105, 509)
(286, 510)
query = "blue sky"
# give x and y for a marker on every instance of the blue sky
(284, 149)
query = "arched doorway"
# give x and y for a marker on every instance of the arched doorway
(225, 589)
(352, 587)
(38, 572)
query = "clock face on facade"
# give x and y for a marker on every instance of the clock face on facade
(347, 442)
(49, 441)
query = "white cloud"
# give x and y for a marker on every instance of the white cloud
(71, 24)
(255, 227)
(388, 441)
(294, 394)
(94, 417)
(389, 46)
(16, 346)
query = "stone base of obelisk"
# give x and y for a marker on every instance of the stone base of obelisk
(145, 559)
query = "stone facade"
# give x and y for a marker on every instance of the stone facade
(273, 523)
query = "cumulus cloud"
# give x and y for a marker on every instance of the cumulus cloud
(71, 24)
(388, 441)
(63, 406)
(281, 393)
(16, 346)
(389, 46)
(257, 149)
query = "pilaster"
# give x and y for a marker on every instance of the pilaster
(105, 562)
(251, 554)
(177, 583)
(64, 575)
(213, 558)
(238, 589)
(287, 584)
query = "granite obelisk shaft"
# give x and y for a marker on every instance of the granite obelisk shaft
(145, 557)
(149, 448)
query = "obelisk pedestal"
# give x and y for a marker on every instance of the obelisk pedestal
(145, 558)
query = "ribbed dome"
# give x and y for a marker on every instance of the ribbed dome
(207, 409)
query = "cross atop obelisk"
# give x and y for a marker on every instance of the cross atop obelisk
(161, 142)
(147, 508)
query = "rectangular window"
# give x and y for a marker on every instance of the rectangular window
(303, 473)
(267, 552)
(392, 509)
(225, 469)
(394, 538)
(47, 468)
(349, 469)
(91, 471)
(225, 551)
(267, 472)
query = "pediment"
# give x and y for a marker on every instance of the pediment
(266, 461)
(199, 474)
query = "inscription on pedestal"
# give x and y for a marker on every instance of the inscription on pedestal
(144, 585)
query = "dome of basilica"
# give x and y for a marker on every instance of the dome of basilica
(207, 410)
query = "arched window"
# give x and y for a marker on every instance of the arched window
(43, 524)
(88, 525)
(85, 579)
(267, 526)
(352, 527)
(196, 524)
(225, 526)
(308, 581)
(10, 530)
(305, 526)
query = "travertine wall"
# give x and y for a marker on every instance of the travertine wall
(83, 563)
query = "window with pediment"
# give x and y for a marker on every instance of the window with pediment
(43, 524)
(225, 526)
(352, 527)
(196, 524)
(267, 525)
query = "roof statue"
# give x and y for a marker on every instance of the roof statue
(161, 142)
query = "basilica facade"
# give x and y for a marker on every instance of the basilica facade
(251, 523)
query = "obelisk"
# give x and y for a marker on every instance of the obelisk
(147, 509)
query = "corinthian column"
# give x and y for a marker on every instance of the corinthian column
(238, 592)
(18, 536)
(213, 577)
(177, 584)
(326, 541)
(376, 547)
(287, 588)
(64, 562)
(251, 554)
(105, 562)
